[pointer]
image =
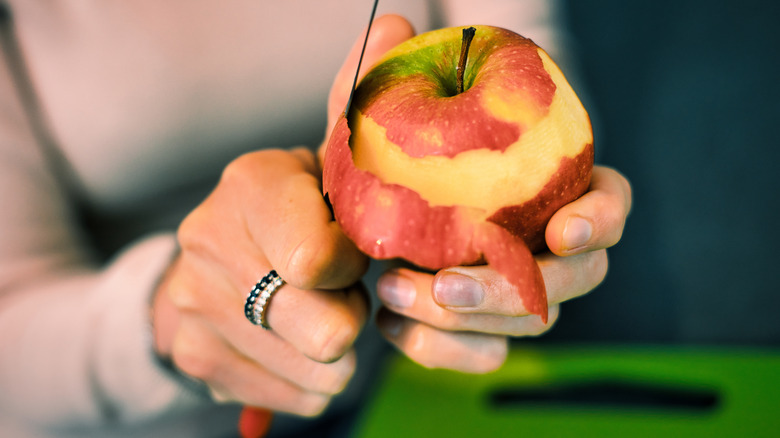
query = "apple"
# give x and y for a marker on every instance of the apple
(457, 151)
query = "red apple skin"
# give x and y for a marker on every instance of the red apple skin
(393, 100)
(391, 221)
(530, 219)
(509, 255)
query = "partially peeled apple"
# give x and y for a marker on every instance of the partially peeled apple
(457, 151)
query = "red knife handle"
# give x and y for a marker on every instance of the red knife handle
(254, 422)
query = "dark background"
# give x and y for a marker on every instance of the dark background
(686, 97)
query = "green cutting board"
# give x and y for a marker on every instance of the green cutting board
(585, 391)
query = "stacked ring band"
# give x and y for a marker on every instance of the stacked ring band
(260, 297)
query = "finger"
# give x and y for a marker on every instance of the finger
(288, 363)
(312, 344)
(307, 160)
(284, 214)
(224, 311)
(595, 220)
(387, 32)
(322, 325)
(409, 293)
(433, 348)
(201, 353)
(482, 290)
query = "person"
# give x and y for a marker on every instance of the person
(149, 178)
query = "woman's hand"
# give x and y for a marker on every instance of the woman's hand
(461, 317)
(266, 213)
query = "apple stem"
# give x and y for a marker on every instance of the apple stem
(468, 35)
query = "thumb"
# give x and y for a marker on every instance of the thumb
(387, 32)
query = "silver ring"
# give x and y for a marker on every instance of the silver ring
(259, 299)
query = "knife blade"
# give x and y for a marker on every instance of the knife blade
(360, 60)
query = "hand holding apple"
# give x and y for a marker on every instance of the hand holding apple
(460, 318)
(424, 172)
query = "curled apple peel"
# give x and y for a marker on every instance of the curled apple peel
(440, 178)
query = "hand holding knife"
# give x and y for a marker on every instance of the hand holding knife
(255, 422)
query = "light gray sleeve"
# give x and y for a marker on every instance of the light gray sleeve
(74, 335)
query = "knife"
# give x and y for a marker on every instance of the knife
(360, 60)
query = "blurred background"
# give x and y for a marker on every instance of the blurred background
(687, 103)
(682, 337)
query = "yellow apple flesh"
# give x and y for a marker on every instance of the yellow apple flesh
(441, 178)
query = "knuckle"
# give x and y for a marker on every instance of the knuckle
(493, 357)
(184, 298)
(302, 179)
(249, 168)
(186, 354)
(347, 368)
(246, 165)
(613, 210)
(237, 170)
(197, 233)
(615, 226)
(332, 340)
(449, 320)
(597, 267)
(417, 347)
(625, 184)
(574, 276)
(335, 381)
(312, 405)
(310, 261)
(191, 229)
(183, 295)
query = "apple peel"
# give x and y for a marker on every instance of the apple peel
(442, 179)
(370, 211)
(509, 256)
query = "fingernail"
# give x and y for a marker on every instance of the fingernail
(390, 323)
(456, 290)
(576, 233)
(396, 290)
